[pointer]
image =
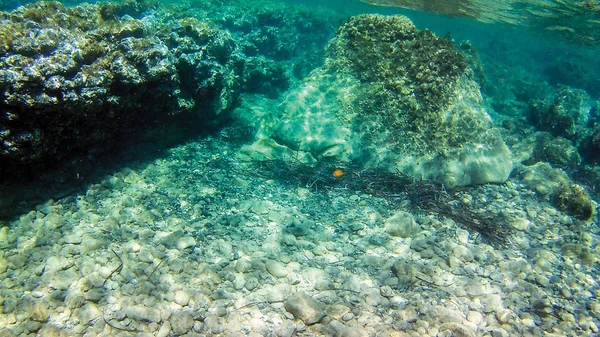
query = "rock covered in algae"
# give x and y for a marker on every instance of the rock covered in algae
(86, 79)
(392, 96)
(563, 114)
(573, 199)
(557, 151)
(554, 185)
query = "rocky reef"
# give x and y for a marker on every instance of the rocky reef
(281, 43)
(556, 151)
(563, 114)
(87, 79)
(390, 96)
(80, 82)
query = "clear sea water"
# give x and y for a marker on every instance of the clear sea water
(226, 225)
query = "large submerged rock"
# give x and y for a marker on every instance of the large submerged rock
(389, 96)
(84, 80)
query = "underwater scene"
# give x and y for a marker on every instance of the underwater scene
(346, 168)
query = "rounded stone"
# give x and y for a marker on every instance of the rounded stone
(520, 224)
(504, 315)
(304, 308)
(251, 283)
(182, 298)
(348, 316)
(33, 326)
(285, 329)
(181, 322)
(104, 272)
(401, 224)
(89, 313)
(491, 302)
(463, 253)
(185, 242)
(498, 332)
(238, 282)
(405, 271)
(3, 265)
(40, 313)
(143, 313)
(278, 293)
(474, 317)
(164, 330)
(276, 269)
(542, 280)
(89, 245)
(243, 266)
(528, 322)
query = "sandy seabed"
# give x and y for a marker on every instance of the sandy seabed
(192, 243)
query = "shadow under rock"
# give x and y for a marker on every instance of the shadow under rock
(21, 195)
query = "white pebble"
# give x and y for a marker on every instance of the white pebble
(133, 246)
(89, 313)
(181, 322)
(53, 263)
(474, 317)
(104, 272)
(238, 282)
(491, 302)
(182, 298)
(276, 269)
(3, 236)
(185, 242)
(145, 256)
(164, 330)
(463, 253)
(278, 293)
(305, 308)
(498, 332)
(462, 236)
(528, 323)
(401, 224)
(89, 245)
(504, 315)
(243, 265)
(352, 283)
(520, 224)
(373, 297)
(142, 313)
(73, 239)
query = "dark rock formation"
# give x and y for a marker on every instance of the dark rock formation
(563, 114)
(83, 81)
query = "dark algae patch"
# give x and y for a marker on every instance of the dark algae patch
(423, 196)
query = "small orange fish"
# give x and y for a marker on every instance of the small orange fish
(338, 173)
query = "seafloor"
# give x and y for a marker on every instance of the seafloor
(195, 243)
(194, 239)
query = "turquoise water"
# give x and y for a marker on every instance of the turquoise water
(215, 168)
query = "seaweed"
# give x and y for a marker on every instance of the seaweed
(396, 187)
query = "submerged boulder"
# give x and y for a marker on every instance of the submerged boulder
(391, 96)
(554, 185)
(564, 114)
(81, 81)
